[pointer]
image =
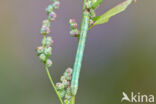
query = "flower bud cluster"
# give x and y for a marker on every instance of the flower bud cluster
(68, 96)
(45, 29)
(63, 87)
(89, 5)
(45, 51)
(92, 15)
(51, 7)
(73, 27)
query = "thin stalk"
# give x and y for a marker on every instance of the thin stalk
(80, 50)
(73, 100)
(43, 44)
(53, 85)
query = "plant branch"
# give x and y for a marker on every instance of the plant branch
(52, 83)
(73, 100)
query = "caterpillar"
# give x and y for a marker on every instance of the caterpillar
(79, 54)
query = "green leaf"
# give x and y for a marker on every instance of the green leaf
(116, 10)
(96, 3)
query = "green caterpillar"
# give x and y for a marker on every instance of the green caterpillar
(81, 45)
(80, 50)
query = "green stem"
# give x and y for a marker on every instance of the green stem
(73, 100)
(52, 83)
(44, 39)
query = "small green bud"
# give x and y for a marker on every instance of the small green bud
(52, 16)
(49, 9)
(48, 51)
(49, 41)
(68, 90)
(63, 78)
(49, 63)
(72, 21)
(67, 101)
(46, 23)
(56, 4)
(92, 13)
(58, 84)
(74, 32)
(65, 83)
(42, 57)
(69, 70)
(67, 96)
(62, 93)
(39, 50)
(69, 76)
(91, 22)
(45, 30)
(65, 74)
(73, 25)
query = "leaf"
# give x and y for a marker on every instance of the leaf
(96, 3)
(116, 10)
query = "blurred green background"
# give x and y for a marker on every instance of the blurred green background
(119, 56)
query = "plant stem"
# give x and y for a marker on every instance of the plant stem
(52, 83)
(73, 100)
(80, 50)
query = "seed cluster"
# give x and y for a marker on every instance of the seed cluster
(63, 87)
(91, 5)
(45, 51)
(73, 27)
